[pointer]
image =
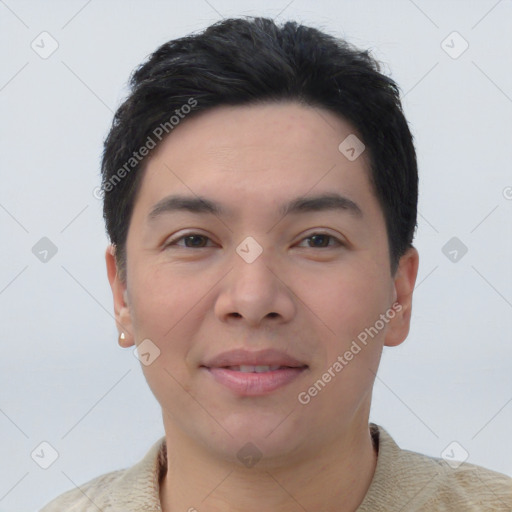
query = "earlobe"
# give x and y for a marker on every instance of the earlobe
(404, 281)
(120, 297)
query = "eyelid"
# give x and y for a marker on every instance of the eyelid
(319, 231)
(172, 241)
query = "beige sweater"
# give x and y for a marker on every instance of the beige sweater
(403, 481)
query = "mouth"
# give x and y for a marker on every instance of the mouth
(254, 373)
(261, 368)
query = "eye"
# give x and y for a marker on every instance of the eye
(199, 241)
(321, 240)
(190, 241)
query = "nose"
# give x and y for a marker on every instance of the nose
(255, 293)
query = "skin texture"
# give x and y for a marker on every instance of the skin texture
(298, 296)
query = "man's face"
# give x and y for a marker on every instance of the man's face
(291, 290)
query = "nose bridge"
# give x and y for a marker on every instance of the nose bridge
(253, 289)
(251, 274)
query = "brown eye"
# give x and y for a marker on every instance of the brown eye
(189, 241)
(322, 240)
(195, 240)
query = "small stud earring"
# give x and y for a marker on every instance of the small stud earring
(122, 337)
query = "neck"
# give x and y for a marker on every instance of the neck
(335, 478)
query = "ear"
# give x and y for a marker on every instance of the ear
(120, 295)
(404, 280)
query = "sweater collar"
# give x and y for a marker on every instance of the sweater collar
(142, 480)
(386, 487)
(395, 485)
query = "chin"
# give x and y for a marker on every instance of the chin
(266, 432)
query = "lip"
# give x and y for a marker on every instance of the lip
(254, 384)
(238, 357)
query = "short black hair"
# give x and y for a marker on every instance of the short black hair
(250, 60)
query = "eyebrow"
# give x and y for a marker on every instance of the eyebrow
(202, 205)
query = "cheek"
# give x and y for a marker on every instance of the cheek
(164, 302)
(169, 384)
(166, 310)
(351, 304)
(349, 300)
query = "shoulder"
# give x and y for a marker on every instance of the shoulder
(466, 486)
(125, 490)
(416, 482)
(88, 497)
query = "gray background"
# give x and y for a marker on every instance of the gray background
(63, 378)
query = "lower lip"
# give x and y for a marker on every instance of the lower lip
(254, 384)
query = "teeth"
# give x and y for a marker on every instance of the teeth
(254, 369)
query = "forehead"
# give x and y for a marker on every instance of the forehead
(258, 156)
(287, 127)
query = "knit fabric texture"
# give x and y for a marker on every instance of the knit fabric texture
(404, 481)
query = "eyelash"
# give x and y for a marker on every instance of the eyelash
(174, 242)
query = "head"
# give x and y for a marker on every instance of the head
(276, 236)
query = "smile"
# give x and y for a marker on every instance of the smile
(250, 373)
(255, 369)
(257, 380)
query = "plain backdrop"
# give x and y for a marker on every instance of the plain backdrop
(63, 378)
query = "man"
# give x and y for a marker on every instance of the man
(260, 195)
